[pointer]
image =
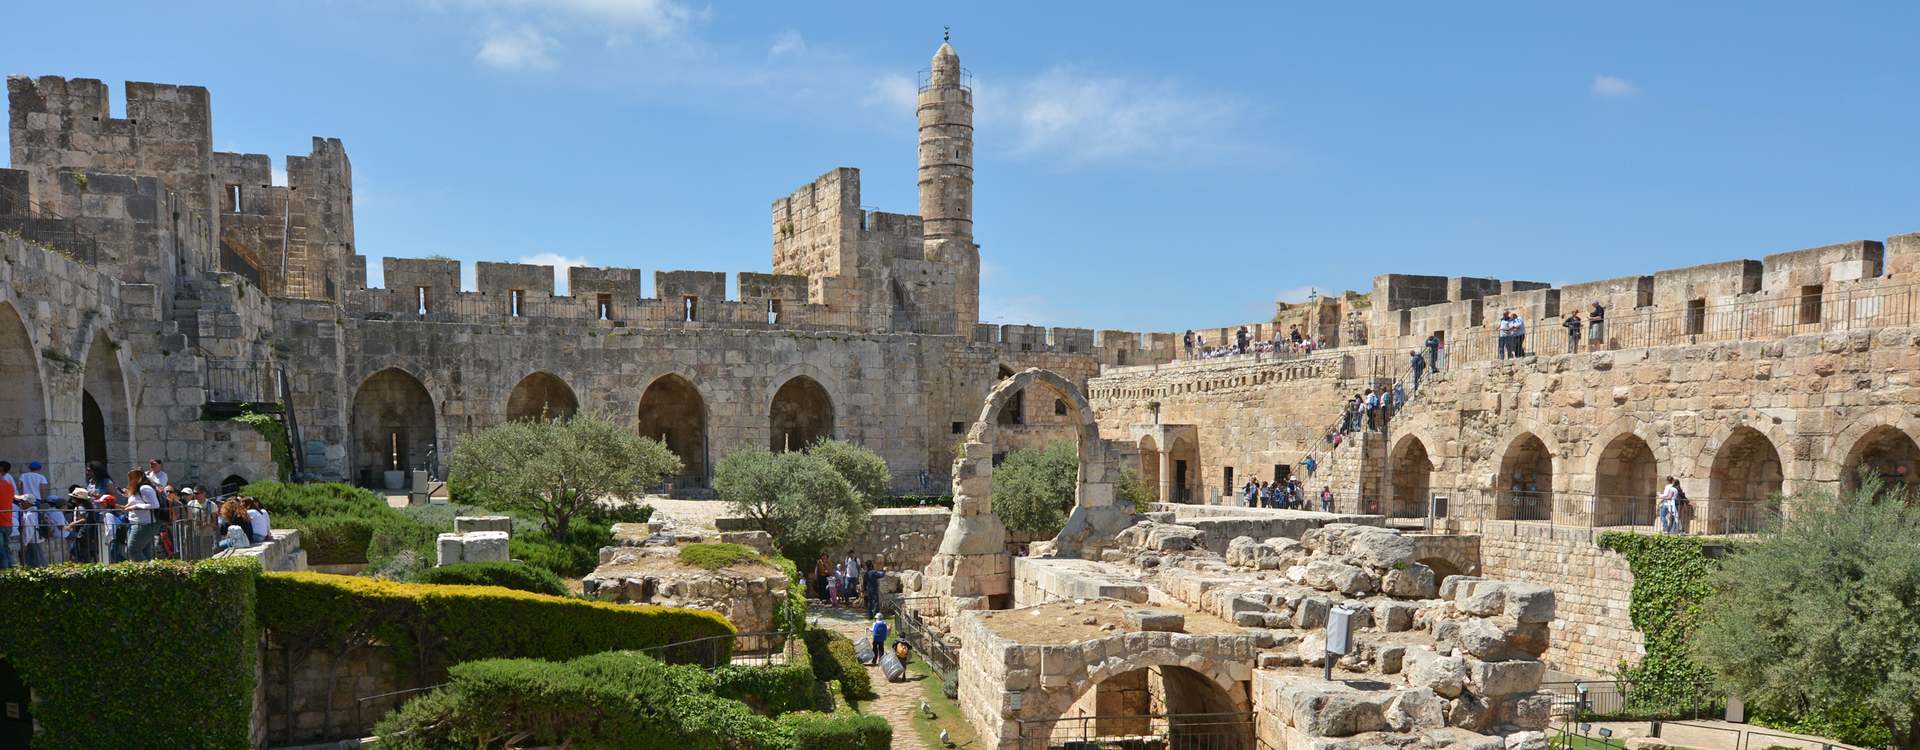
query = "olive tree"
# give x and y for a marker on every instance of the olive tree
(862, 468)
(558, 469)
(799, 499)
(1819, 616)
(1033, 488)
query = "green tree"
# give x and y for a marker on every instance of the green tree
(1033, 489)
(862, 468)
(797, 498)
(1131, 491)
(558, 469)
(1820, 616)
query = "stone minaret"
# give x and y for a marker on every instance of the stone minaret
(946, 180)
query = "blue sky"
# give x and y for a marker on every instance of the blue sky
(1138, 166)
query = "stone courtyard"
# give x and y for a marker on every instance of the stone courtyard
(147, 297)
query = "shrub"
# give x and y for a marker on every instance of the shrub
(342, 525)
(862, 468)
(915, 501)
(834, 658)
(573, 557)
(154, 654)
(430, 626)
(508, 575)
(817, 731)
(1033, 489)
(558, 469)
(618, 699)
(774, 689)
(714, 556)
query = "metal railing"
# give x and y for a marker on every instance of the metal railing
(236, 381)
(106, 536)
(911, 615)
(1197, 731)
(760, 649)
(36, 223)
(1608, 700)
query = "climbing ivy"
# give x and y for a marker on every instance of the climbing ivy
(276, 434)
(1672, 579)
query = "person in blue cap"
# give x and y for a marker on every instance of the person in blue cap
(33, 483)
(879, 637)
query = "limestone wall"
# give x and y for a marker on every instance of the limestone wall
(1592, 634)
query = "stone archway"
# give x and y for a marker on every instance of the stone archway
(672, 411)
(1412, 474)
(1523, 488)
(106, 412)
(393, 427)
(23, 403)
(1626, 478)
(1745, 477)
(1886, 452)
(800, 414)
(1015, 409)
(1150, 466)
(1183, 469)
(541, 395)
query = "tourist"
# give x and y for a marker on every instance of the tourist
(32, 483)
(870, 581)
(1596, 319)
(201, 510)
(1249, 491)
(258, 521)
(1326, 499)
(877, 637)
(1188, 341)
(7, 520)
(1310, 465)
(83, 536)
(1433, 352)
(1373, 410)
(141, 502)
(156, 475)
(1505, 327)
(1240, 339)
(232, 525)
(850, 568)
(1573, 325)
(822, 569)
(1669, 507)
(1293, 334)
(1399, 397)
(53, 523)
(1418, 364)
(27, 528)
(1519, 336)
(113, 528)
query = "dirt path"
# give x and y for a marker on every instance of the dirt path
(898, 701)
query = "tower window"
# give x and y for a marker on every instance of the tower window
(420, 300)
(1810, 304)
(605, 304)
(691, 308)
(1696, 317)
(516, 303)
(959, 427)
(233, 199)
(773, 312)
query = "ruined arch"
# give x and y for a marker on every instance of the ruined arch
(105, 406)
(1150, 465)
(1626, 478)
(541, 395)
(672, 411)
(1015, 409)
(801, 413)
(394, 425)
(1095, 519)
(1412, 476)
(1523, 486)
(1885, 451)
(23, 404)
(1197, 684)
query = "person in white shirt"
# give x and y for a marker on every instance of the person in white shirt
(33, 483)
(257, 520)
(1669, 507)
(141, 501)
(156, 475)
(27, 525)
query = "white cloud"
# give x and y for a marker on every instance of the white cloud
(894, 93)
(560, 265)
(517, 48)
(786, 43)
(1613, 86)
(279, 176)
(653, 18)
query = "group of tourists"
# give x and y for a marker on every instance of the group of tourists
(1512, 330)
(104, 521)
(1284, 494)
(1513, 335)
(1196, 347)
(1369, 410)
(1595, 324)
(851, 579)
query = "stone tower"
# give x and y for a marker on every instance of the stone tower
(946, 180)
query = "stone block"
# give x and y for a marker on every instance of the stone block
(1445, 675)
(465, 524)
(1482, 599)
(1414, 581)
(1394, 617)
(1380, 549)
(1415, 710)
(1142, 620)
(758, 541)
(1311, 612)
(449, 547)
(485, 546)
(1500, 678)
(1532, 740)
(1529, 602)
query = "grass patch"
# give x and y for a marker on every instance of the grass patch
(717, 555)
(946, 711)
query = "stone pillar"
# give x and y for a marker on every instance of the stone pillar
(1166, 476)
(972, 564)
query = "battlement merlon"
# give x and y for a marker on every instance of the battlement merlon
(504, 278)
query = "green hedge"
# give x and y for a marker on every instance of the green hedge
(774, 689)
(834, 658)
(433, 626)
(134, 655)
(508, 575)
(343, 525)
(717, 555)
(817, 731)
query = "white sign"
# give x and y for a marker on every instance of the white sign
(1339, 630)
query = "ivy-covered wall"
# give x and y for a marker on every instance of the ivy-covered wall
(1672, 579)
(136, 655)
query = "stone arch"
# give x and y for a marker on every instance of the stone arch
(231, 484)
(1887, 451)
(1095, 519)
(1627, 472)
(1793, 470)
(1221, 682)
(1524, 483)
(800, 413)
(24, 413)
(1843, 455)
(541, 395)
(394, 425)
(1412, 473)
(673, 412)
(105, 385)
(1623, 427)
(1745, 475)
(1150, 465)
(1015, 410)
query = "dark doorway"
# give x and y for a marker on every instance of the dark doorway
(93, 427)
(16, 722)
(1180, 479)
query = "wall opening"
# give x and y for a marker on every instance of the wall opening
(516, 301)
(23, 418)
(1176, 706)
(690, 309)
(801, 413)
(1412, 480)
(1626, 480)
(1696, 317)
(1746, 477)
(1810, 297)
(233, 198)
(672, 412)
(1150, 466)
(541, 395)
(604, 304)
(420, 300)
(393, 425)
(1015, 409)
(773, 312)
(1524, 487)
(1059, 408)
(1885, 452)
(93, 430)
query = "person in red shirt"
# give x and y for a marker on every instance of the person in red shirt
(7, 491)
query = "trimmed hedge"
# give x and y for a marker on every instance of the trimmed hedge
(834, 658)
(156, 654)
(818, 731)
(341, 524)
(717, 555)
(774, 689)
(507, 575)
(616, 699)
(914, 501)
(431, 626)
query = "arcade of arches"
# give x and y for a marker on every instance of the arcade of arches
(672, 412)
(1625, 481)
(393, 426)
(541, 396)
(801, 413)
